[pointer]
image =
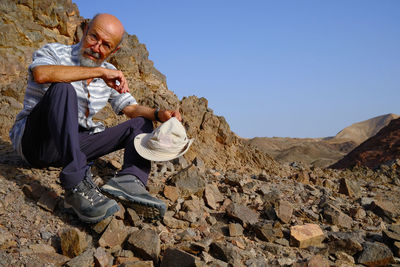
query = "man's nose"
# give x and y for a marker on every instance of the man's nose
(96, 47)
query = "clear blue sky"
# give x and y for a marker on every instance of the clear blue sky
(298, 68)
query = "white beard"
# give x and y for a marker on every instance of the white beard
(87, 62)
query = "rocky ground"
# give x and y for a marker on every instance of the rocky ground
(312, 217)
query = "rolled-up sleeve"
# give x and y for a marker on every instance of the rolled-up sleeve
(120, 101)
(44, 56)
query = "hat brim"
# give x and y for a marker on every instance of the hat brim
(140, 142)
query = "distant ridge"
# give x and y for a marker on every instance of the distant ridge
(321, 152)
(361, 131)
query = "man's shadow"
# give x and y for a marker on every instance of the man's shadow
(14, 169)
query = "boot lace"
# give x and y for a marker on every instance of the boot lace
(89, 190)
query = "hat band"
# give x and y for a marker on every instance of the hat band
(167, 150)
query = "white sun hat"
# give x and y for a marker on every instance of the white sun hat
(166, 142)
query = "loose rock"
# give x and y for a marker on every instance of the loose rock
(73, 242)
(306, 235)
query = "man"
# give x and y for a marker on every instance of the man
(67, 85)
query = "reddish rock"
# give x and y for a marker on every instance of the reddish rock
(318, 261)
(171, 192)
(48, 201)
(284, 211)
(52, 259)
(242, 213)
(388, 210)
(101, 258)
(303, 236)
(212, 196)
(337, 217)
(235, 229)
(42, 248)
(33, 191)
(145, 244)
(101, 226)
(268, 231)
(120, 214)
(73, 242)
(190, 182)
(133, 218)
(349, 188)
(114, 235)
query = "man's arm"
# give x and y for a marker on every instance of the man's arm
(133, 111)
(59, 73)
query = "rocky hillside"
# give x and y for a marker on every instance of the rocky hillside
(27, 25)
(381, 148)
(228, 204)
(321, 152)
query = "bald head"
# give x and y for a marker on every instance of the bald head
(109, 23)
(101, 39)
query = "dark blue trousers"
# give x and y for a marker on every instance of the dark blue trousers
(52, 137)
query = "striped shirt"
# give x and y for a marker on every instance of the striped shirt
(91, 98)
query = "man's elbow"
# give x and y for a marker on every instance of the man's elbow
(38, 75)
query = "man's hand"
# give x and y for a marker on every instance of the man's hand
(165, 115)
(116, 80)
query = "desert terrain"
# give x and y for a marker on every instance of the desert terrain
(324, 151)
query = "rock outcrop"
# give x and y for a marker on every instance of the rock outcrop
(381, 148)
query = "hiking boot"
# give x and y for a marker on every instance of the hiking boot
(88, 202)
(130, 190)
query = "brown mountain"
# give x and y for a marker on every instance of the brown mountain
(381, 148)
(321, 152)
(361, 131)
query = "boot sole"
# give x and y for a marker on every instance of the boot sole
(145, 209)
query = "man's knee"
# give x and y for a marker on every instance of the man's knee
(141, 125)
(62, 89)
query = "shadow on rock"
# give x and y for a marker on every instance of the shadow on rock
(40, 186)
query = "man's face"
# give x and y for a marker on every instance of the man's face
(97, 45)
